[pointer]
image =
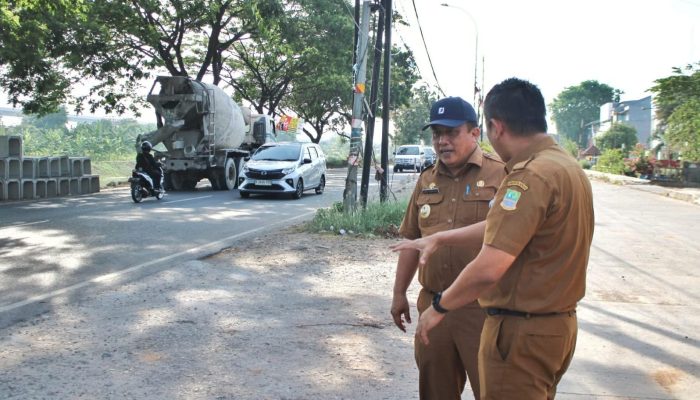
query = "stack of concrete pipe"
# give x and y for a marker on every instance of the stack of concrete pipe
(29, 178)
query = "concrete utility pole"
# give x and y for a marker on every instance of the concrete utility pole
(386, 101)
(360, 70)
(369, 139)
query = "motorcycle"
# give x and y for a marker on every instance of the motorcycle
(142, 186)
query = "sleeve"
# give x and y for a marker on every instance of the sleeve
(518, 210)
(409, 226)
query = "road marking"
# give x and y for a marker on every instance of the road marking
(114, 275)
(191, 198)
(25, 224)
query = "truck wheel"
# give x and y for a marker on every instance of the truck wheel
(167, 181)
(177, 180)
(214, 177)
(228, 178)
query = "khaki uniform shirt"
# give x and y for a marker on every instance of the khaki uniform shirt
(543, 215)
(442, 202)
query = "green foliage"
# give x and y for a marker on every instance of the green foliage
(378, 219)
(486, 146)
(570, 146)
(579, 105)
(683, 130)
(585, 164)
(102, 140)
(619, 136)
(611, 161)
(677, 101)
(409, 120)
(673, 91)
(49, 45)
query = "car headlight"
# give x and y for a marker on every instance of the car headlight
(288, 171)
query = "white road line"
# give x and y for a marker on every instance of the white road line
(113, 275)
(191, 198)
(25, 224)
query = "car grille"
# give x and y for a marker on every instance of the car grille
(260, 174)
(273, 187)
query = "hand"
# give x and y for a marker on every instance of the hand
(425, 245)
(427, 321)
(399, 308)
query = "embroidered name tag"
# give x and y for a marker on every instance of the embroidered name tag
(518, 184)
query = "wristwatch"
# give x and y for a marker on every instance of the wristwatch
(436, 303)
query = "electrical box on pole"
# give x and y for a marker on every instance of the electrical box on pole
(360, 78)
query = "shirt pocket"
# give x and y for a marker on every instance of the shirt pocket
(475, 205)
(429, 207)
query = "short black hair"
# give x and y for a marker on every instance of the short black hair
(519, 104)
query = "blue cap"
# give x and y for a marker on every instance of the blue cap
(452, 112)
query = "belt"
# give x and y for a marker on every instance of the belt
(502, 311)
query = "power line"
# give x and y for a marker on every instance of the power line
(426, 49)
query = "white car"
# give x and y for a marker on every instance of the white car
(285, 167)
(410, 156)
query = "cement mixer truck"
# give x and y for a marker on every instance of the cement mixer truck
(206, 134)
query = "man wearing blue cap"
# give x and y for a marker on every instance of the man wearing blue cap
(453, 193)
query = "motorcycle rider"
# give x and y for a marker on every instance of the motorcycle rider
(148, 164)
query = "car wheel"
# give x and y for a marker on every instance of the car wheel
(321, 186)
(299, 189)
(395, 169)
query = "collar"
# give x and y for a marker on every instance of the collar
(536, 146)
(476, 158)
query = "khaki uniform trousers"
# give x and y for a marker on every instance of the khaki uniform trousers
(453, 350)
(525, 358)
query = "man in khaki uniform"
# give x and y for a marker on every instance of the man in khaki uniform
(531, 270)
(455, 192)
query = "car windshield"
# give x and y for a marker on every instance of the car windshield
(408, 151)
(429, 152)
(277, 153)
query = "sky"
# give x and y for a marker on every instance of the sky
(554, 44)
(625, 44)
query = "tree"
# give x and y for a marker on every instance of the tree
(579, 105)
(611, 161)
(677, 101)
(411, 119)
(619, 136)
(47, 46)
(683, 130)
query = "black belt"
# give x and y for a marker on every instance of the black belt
(513, 313)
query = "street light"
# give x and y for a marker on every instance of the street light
(476, 45)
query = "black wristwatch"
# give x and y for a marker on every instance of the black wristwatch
(436, 303)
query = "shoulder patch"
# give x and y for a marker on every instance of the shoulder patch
(519, 184)
(510, 199)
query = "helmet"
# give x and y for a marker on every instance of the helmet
(146, 146)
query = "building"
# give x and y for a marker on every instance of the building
(637, 113)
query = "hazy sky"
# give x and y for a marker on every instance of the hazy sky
(554, 44)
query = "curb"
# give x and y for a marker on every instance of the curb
(689, 195)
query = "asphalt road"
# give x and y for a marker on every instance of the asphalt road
(65, 246)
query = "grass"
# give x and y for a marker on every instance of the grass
(112, 173)
(378, 219)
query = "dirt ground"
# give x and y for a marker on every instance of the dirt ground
(288, 315)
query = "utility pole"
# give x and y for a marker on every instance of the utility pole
(386, 100)
(360, 72)
(369, 140)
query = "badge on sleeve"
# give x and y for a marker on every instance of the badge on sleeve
(425, 211)
(510, 200)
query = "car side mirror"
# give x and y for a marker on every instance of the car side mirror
(307, 161)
